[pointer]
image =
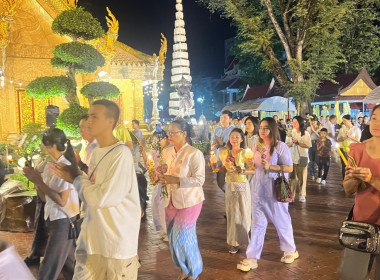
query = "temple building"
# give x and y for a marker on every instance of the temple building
(27, 42)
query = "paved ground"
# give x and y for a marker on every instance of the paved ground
(315, 224)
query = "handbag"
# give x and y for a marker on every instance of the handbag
(282, 188)
(75, 227)
(239, 186)
(360, 236)
(303, 161)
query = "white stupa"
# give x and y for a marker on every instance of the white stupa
(182, 99)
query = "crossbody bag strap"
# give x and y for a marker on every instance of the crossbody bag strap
(92, 173)
(351, 213)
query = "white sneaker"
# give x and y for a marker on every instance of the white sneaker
(319, 180)
(302, 199)
(312, 177)
(323, 182)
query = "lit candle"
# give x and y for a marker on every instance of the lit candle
(6, 156)
(341, 154)
(248, 154)
(213, 158)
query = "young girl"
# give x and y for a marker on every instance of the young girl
(238, 194)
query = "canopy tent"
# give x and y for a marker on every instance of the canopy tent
(272, 104)
(373, 97)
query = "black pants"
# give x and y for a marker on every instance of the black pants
(59, 254)
(323, 163)
(143, 189)
(343, 164)
(221, 180)
(313, 158)
(40, 235)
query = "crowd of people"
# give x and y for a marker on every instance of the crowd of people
(106, 183)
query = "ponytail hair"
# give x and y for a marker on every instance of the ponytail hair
(186, 127)
(56, 136)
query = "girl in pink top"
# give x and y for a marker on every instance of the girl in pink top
(356, 265)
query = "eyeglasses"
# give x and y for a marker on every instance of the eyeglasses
(172, 133)
(265, 128)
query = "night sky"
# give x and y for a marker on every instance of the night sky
(142, 21)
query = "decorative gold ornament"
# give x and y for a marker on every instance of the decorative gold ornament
(106, 45)
(6, 17)
(163, 49)
(72, 3)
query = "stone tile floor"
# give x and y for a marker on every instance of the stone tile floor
(315, 224)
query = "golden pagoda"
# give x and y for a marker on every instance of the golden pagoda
(27, 42)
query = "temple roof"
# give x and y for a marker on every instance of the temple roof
(127, 55)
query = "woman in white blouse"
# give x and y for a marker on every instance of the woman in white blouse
(184, 180)
(62, 203)
(299, 144)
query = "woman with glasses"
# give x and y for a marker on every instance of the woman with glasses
(62, 204)
(299, 144)
(270, 157)
(184, 180)
(238, 195)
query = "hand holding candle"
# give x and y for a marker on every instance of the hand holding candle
(337, 146)
(214, 162)
(249, 158)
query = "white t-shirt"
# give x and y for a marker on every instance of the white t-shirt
(52, 210)
(353, 132)
(296, 150)
(331, 130)
(112, 220)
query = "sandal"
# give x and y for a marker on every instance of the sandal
(289, 257)
(247, 264)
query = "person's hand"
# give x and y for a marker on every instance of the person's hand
(66, 172)
(33, 175)
(250, 163)
(141, 149)
(77, 156)
(219, 140)
(362, 173)
(265, 164)
(169, 179)
(295, 140)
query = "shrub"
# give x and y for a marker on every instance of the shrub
(69, 119)
(47, 87)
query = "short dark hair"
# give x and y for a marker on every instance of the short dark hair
(112, 110)
(366, 115)
(347, 117)
(226, 112)
(360, 118)
(136, 122)
(256, 123)
(323, 130)
(332, 117)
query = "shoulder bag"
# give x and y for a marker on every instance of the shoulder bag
(303, 161)
(282, 188)
(359, 236)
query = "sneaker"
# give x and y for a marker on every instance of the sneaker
(289, 257)
(302, 199)
(312, 177)
(323, 182)
(319, 180)
(234, 249)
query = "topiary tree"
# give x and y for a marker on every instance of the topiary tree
(69, 119)
(47, 87)
(100, 90)
(75, 57)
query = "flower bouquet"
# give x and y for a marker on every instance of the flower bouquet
(248, 158)
(214, 162)
(231, 163)
(260, 148)
(153, 171)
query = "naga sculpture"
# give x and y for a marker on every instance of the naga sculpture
(106, 45)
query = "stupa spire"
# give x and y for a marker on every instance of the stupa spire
(182, 100)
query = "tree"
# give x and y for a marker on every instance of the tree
(307, 31)
(69, 119)
(100, 90)
(75, 57)
(360, 40)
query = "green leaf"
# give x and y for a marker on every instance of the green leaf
(47, 87)
(100, 90)
(77, 23)
(69, 119)
(84, 57)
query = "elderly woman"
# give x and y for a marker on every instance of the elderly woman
(62, 204)
(357, 265)
(184, 180)
(270, 156)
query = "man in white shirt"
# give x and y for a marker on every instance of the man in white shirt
(107, 244)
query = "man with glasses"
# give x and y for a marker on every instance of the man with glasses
(222, 135)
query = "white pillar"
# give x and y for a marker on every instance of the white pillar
(155, 112)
